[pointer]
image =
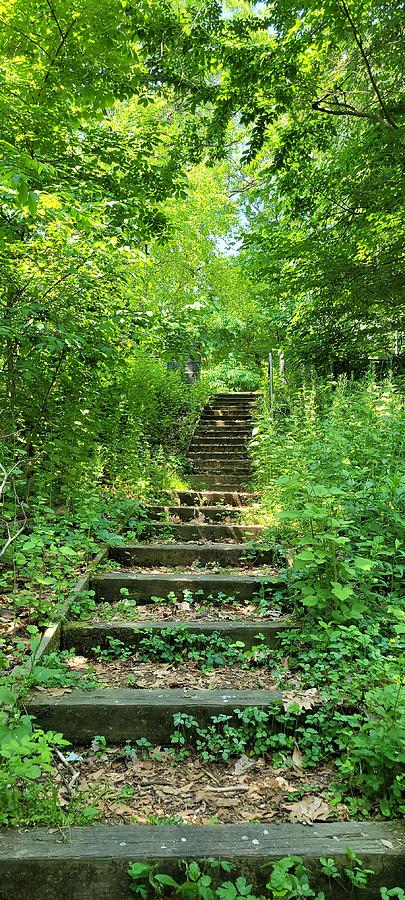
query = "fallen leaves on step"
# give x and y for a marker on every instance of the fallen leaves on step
(182, 611)
(297, 758)
(304, 699)
(388, 844)
(77, 662)
(133, 789)
(243, 764)
(131, 673)
(54, 692)
(310, 809)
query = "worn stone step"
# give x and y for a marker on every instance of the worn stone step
(188, 513)
(229, 472)
(231, 427)
(143, 586)
(242, 406)
(194, 531)
(227, 437)
(128, 714)
(176, 554)
(236, 395)
(92, 863)
(84, 636)
(237, 456)
(220, 467)
(218, 452)
(215, 498)
(246, 405)
(234, 410)
(218, 427)
(213, 441)
(220, 456)
(228, 419)
(211, 470)
(225, 482)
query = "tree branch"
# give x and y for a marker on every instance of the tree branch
(359, 41)
(347, 110)
(11, 537)
(26, 36)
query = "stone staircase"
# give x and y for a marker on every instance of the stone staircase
(196, 544)
(207, 528)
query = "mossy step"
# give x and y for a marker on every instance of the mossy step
(177, 554)
(206, 498)
(92, 862)
(144, 586)
(194, 531)
(83, 636)
(128, 714)
(188, 513)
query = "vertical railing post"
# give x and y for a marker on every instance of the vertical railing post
(271, 382)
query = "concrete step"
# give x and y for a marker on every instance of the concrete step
(229, 418)
(205, 467)
(217, 426)
(231, 412)
(156, 555)
(234, 455)
(143, 586)
(84, 636)
(188, 513)
(219, 499)
(231, 409)
(219, 442)
(38, 864)
(194, 531)
(128, 714)
(237, 395)
(224, 482)
(228, 404)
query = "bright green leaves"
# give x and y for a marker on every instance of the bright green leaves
(26, 198)
(341, 591)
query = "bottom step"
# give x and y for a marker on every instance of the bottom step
(91, 863)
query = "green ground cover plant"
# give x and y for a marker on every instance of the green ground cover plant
(180, 644)
(288, 878)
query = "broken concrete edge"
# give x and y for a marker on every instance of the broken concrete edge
(93, 861)
(51, 637)
(50, 640)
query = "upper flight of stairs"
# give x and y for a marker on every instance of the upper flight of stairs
(218, 451)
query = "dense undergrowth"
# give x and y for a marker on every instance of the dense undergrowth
(328, 463)
(58, 516)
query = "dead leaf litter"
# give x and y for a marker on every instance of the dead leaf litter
(127, 788)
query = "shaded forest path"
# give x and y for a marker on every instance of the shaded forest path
(204, 574)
